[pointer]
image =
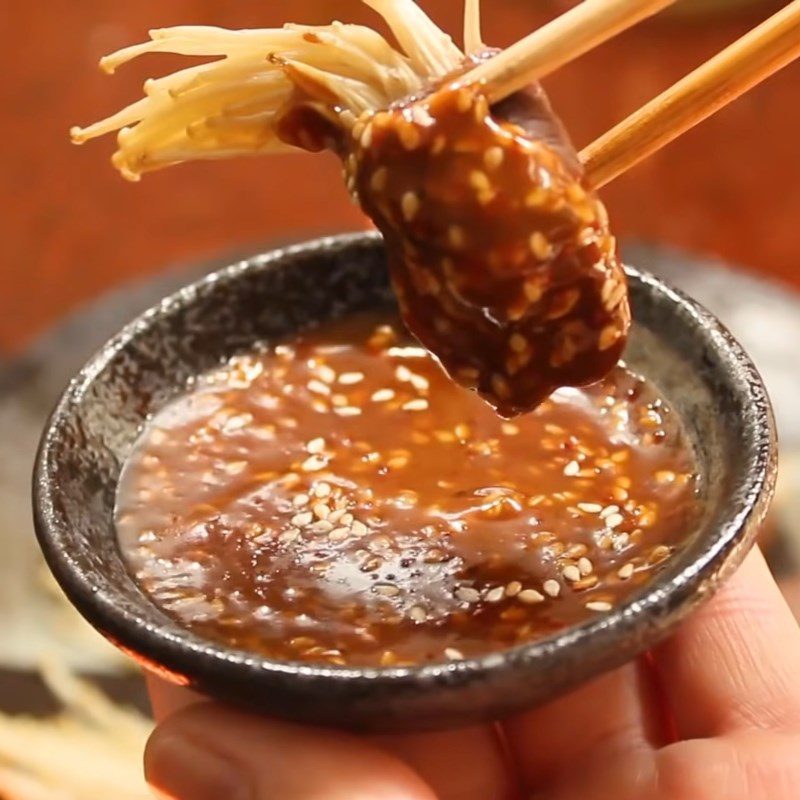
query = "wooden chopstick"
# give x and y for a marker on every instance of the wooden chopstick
(753, 58)
(565, 38)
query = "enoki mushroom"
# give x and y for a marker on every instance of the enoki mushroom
(500, 256)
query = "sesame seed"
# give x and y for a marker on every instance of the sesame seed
(599, 605)
(467, 595)
(409, 205)
(625, 571)
(420, 383)
(321, 511)
(417, 613)
(321, 526)
(463, 101)
(509, 429)
(347, 411)
(533, 292)
(552, 587)
(495, 595)
(612, 520)
(382, 395)
(453, 654)
(303, 519)
(315, 446)
(318, 387)
(518, 343)
(590, 508)
(530, 597)
(479, 180)
(539, 245)
(572, 468)
(571, 573)
(322, 489)
(313, 463)
(300, 500)
(455, 234)
(349, 378)
(500, 386)
(289, 536)
(347, 518)
(387, 590)
(409, 136)
(327, 373)
(608, 511)
(358, 528)
(585, 565)
(608, 336)
(659, 553)
(366, 136)
(379, 179)
(419, 404)
(493, 157)
(339, 534)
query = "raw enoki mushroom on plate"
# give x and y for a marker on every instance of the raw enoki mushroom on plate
(501, 257)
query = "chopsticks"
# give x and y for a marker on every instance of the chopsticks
(565, 38)
(750, 60)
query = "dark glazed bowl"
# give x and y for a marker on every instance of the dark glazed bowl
(699, 367)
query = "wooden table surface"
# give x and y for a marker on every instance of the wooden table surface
(71, 227)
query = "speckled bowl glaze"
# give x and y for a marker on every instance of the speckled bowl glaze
(701, 370)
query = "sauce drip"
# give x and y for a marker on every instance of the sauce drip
(337, 499)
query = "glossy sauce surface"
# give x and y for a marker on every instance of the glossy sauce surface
(338, 499)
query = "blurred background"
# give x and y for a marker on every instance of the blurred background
(81, 250)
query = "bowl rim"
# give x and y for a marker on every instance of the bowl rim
(174, 651)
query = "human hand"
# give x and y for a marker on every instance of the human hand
(712, 714)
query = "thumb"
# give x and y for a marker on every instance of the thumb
(208, 752)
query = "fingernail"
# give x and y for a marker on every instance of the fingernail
(183, 769)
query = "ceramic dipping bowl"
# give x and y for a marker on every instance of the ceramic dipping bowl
(698, 366)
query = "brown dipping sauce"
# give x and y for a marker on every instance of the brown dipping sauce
(337, 499)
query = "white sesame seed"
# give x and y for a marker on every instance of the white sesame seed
(347, 411)
(409, 205)
(321, 511)
(302, 519)
(612, 520)
(479, 180)
(315, 446)
(608, 510)
(313, 463)
(417, 613)
(467, 595)
(453, 654)
(571, 573)
(510, 429)
(552, 587)
(339, 535)
(289, 536)
(322, 489)
(590, 508)
(419, 404)
(599, 605)
(572, 468)
(493, 157)
(402, 373)
(347, 518)
(349, 378)
(530, 597)
(318, 387)
(585, 566)
(382, 395)
(300, 500)
(335, 516)
(379, 179)
(495, 595)
(420, 383)
(387, 590)
(328, 374)
(517, 343)
(513, 589)
(359, 528)
(625, 571)
(321, 526)
(539, 245)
